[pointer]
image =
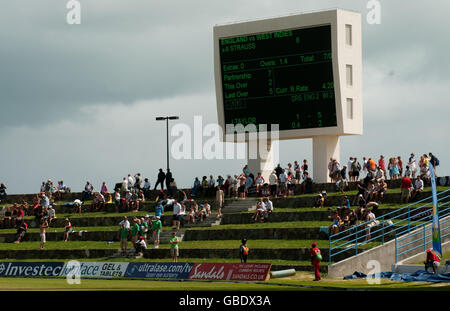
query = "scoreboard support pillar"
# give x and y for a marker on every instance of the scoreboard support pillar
(262, 164)
(324, 148)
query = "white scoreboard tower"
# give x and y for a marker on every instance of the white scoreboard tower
(346, 66)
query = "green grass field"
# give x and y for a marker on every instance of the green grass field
(302, 281)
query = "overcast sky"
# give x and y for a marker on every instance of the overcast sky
(78, 102)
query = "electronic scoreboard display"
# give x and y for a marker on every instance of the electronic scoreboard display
(280, 77)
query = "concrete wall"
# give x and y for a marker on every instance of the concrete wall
(384, 254)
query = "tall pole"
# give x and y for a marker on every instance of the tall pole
(167, 130)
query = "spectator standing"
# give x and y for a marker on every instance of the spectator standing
(156, 231)
(51, 215)
(87, 192)
(316, 257)
(176, 215)
(123, 232)
(135, 231)
(297, 171)
(43, 226)
(2, 192)
(412, 165)
(138, 181)
(168, 178)
(174, 252)
(125, 222)
(146, 188)
(364, 166)
(220, 200)
(400, 165)
(243, 251)
(283, 183)
(434, 162)
(160, 179)
(273, 182)
(67, 229)
(117, 200)
(406, 189)
(130, 182)
(382, 164)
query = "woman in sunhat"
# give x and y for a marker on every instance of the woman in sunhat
(316, 257)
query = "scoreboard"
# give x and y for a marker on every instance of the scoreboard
(283, 77)
(302, 72)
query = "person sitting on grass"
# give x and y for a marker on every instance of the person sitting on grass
(269, 208)
(243, 251)
(418, 187)
(21, 230)
(191, 216)
(432, 260)
(143, 229)
(117, 200)
(140, 246)
(42, 227)
(67, 229)
(174, 252)
(260, 209)
(335, 226)
(381, 190)
(320, 201)
(7, 219)
(201, 214)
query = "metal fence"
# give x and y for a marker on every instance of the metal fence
(388, 226)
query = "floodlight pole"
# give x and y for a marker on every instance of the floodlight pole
(167, 133)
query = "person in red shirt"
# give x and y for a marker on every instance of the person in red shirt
(382, 165)
(315, 260)
(406, 189)
(432, 260)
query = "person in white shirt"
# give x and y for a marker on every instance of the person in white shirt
(273, 182)
(269, 208)
(125, 223)
(77, 206)
(260, 210)
(283, 183)
(349, 169)
(418, 187)
(211, 182)
(51, 215)
(130, 182)
(176, 215)
(412, 165)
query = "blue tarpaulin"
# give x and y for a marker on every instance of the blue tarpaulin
(418, 276)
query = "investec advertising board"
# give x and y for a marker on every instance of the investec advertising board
(151, 270)
(61, 269)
